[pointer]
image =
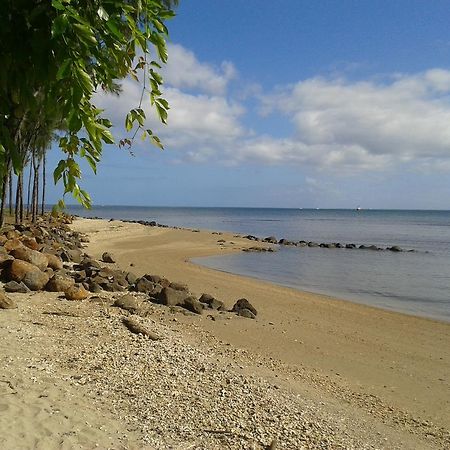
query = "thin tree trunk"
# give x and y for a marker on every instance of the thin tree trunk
(29, 191)
(3, 199)
(44, 158)
(17, 206)
(10, 191)
(35, 196)
(21, 199)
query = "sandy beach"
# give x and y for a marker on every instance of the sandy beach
(310, 371)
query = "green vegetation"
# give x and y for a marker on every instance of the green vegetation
(55, 54)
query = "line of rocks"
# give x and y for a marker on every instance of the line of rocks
(330, 245)
(49, 256)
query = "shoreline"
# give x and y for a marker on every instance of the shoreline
(399, 360)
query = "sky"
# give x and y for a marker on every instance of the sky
(294, 103)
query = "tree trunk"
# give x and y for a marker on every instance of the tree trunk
(43, 183)
(29, 191)
(17, 212)
(10, 191)
(35, 195)
(3, 199)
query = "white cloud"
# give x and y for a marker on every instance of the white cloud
(184, 70)
(337, 124)
(369, 125)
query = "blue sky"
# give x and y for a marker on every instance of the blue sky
(293, 104)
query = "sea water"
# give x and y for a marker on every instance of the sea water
(412, 282)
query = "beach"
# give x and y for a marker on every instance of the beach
(310, 372)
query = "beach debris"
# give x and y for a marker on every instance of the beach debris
(108, 258)
(6, 302)
(14, 286)
(76, 292)
(136, 328)
(127, 302)
(242, 304)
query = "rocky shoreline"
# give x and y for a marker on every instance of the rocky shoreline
(49, 256)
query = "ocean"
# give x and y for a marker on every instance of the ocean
(415, 283)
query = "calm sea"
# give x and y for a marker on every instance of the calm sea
(416, 283)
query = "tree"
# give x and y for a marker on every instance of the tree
(55, 55)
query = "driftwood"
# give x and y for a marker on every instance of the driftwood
(137, 328)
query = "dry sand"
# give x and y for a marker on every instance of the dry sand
(315, 372)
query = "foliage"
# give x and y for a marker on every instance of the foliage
(56, 54)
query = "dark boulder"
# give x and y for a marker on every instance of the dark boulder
(108, 258)
(14, 286)
(243, 303)
(193, 305)
(246, 313)
(171, 297)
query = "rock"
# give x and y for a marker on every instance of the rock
(94, 287)
(32, 256)
(313, 244)
(36, 280)
(350, 246)
(243, 303)
(131, 278)
(137, 328)
(212, 302)
(144, 285)
(112, 287)
(246, 313)
(164, 282)
(128, 303)
(171, 297)
(59, 283)
(76, 292)
(53, 261)
(271, 240)
(6, 302)
(395, 248)
(14, 286)
(72, 255)
(89, 264)
(179, 287)
(31, 243)
(4, 258)
(12, 244)
(192, 304)
(108, 258)
(31, 275)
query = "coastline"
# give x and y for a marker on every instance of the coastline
(310, 372)
(381, 360)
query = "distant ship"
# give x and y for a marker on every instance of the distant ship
(358, 208)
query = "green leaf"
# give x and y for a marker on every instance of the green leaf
(112, 26)
(156, 141)
(58, 5)
(59, 170)
(60, 25)
(129, 122)
(64, 69)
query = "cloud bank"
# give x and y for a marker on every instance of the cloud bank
(334, 123)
